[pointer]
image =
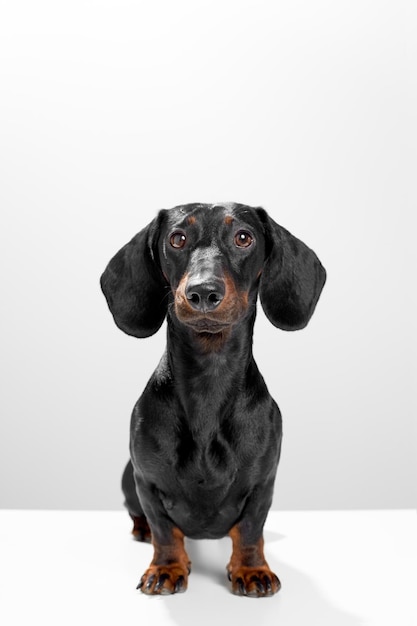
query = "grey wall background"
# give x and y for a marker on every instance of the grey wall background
(113, 110)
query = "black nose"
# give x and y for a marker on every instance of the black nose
(205, 296)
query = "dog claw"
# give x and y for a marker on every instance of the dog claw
(240, 584)
(179, 585)
(260, 589)
(277, 582)
(159, 585)
(149, 583)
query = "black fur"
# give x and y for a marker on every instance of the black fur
(206, 434)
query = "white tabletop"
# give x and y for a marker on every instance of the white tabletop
(336, 568)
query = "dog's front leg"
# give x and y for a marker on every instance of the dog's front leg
(248, 570)
(170, 566)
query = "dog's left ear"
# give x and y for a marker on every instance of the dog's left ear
(292, 278)
(134, 286)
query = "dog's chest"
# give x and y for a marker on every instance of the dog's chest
(204, 461)
(200, 492)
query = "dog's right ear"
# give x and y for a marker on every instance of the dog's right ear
(134, 286)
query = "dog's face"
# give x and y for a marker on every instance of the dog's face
(212, 259)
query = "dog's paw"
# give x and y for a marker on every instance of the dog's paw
(164, 579)
(255, 582)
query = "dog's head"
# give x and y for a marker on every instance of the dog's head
(208, 262)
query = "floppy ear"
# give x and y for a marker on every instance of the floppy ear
(134, 286)
(292, 278)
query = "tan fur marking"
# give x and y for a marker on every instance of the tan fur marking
(248, 568)
(229, 311)
(170, 567)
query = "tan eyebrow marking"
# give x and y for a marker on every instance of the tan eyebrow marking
(191, 220)
(228, 220)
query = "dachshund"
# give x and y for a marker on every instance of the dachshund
(205, 435)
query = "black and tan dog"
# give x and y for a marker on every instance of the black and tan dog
(206, 434)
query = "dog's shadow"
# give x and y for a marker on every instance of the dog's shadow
(209, 600)
(206, 556)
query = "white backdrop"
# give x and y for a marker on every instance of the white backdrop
(110, 111)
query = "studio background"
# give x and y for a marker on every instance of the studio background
(110, 111)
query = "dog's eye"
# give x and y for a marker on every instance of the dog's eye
(178, 239)
(243, 239)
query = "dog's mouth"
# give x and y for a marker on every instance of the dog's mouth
(207, 326)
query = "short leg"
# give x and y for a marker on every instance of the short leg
(170, 566)
(248, 570)
(141, 530)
